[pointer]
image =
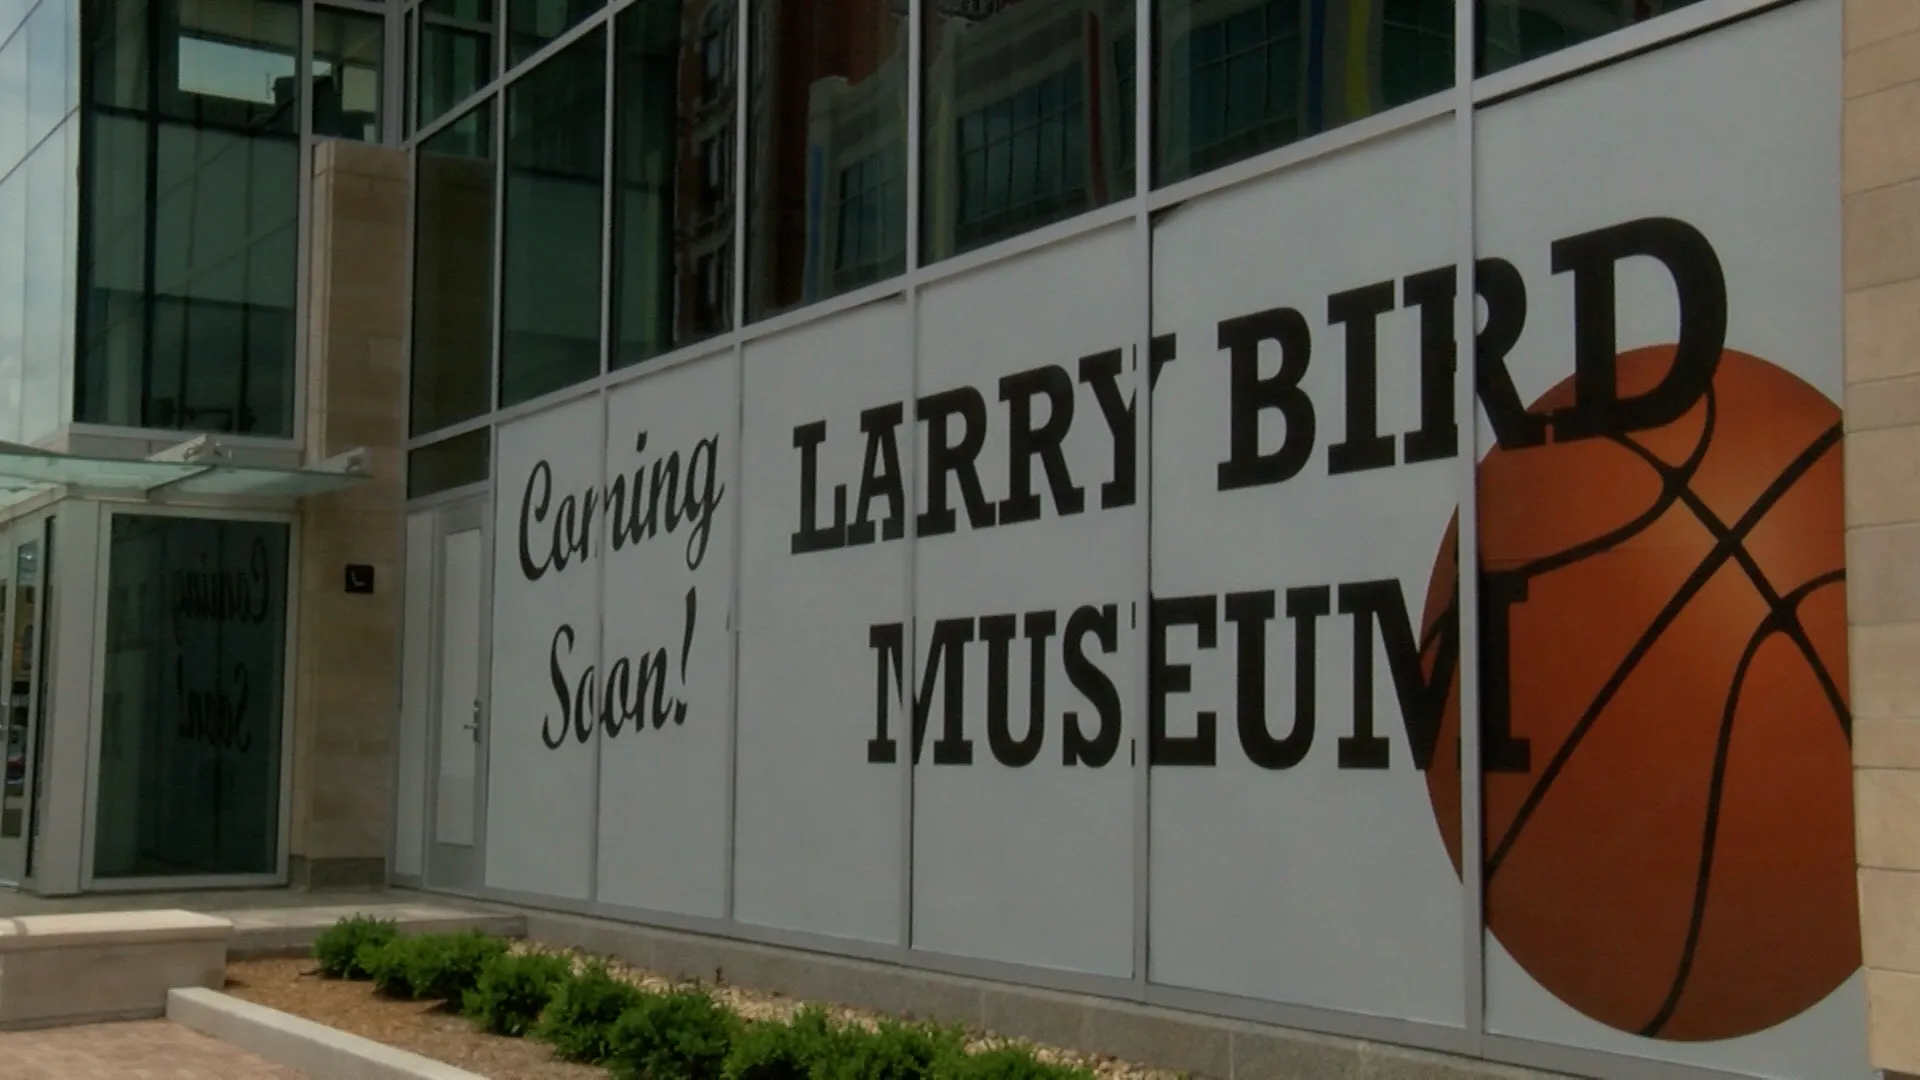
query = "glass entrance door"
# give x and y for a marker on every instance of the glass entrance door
(20, 716)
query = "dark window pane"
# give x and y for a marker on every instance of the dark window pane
(453, 273)
(192, 703)
(349, 51)
(1515, 31)
(443, 466)
(1010, 141)
(188, 254)
(826, 149)
(531, 24)
(673, 205)
(456, 60)
(556, 140)
(1230, 87)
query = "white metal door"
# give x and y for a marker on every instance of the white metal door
(457, 769)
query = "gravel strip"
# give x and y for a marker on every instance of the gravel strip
(756, 1005)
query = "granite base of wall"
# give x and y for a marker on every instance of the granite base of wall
(352, 873)
(1203, 1046)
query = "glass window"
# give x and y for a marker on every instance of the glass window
(22, 720)
(1236, 79)
(47, 324)
(532, 24)
(456, 55)
(1022, 123)
(827, 126)
(349, 52)
(674, 145)
(188, 266)
(191, 710)
(1514, 31)
(556, 142)
(452, 463)
(13, 102)
(453, 273)
(13, 301)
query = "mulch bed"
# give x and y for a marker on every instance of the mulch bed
(435, 1031)
(429, 1029)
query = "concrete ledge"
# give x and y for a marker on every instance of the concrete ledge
(1203, 1046)
(314, 1049)
(261, 932)
(74, 969)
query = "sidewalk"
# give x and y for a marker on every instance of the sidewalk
(141, 1050)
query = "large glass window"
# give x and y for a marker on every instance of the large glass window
(349, 56)
(556, 142)
(1513, 31)
(1236, 78)
(532, 24)
(191, 715)
(674, 145)
(1024, 122)
(456, 54)
(188, 258)
(453, 273)
(826, 187)
(450, 463)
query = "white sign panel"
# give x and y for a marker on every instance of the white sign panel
(667, 682)
(1030, 601)
(1670, 868)
(546, 646)
(1305, 470)
(819, 828)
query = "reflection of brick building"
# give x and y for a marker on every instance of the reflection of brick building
(808, 56)
(703, 176)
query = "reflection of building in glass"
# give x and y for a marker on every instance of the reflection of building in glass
(1243, 76)
(1515, 30)
(1029, 117)
(827, 148)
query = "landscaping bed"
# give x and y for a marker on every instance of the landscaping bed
(511, 1010)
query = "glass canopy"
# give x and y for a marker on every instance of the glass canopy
(192, 468)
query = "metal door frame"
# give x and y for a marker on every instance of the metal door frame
(14, 873)
(450, 867)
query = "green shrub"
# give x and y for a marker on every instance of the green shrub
(679, 1035)
(513, 989)
(443, 967)
(387, 963)
(896, 1051)
(338, 947)
(579, 1021)
(1007, 1063)
(799, 1050)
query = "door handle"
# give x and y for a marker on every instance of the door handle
(474, 725)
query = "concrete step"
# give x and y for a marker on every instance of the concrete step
(291, 930)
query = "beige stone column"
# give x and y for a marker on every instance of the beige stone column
(347, 662)
(1881, 209)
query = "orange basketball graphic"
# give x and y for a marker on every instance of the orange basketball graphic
(1665, 728)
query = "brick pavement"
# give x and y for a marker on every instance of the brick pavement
(142, 1050)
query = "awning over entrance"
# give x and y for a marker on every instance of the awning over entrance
(197, 467)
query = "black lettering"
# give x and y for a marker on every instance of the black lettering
(1438, 435)
(531, 512)
(1104, 624)
(1102, 372)
(1163, 679)
(1250, 612)
(998, 632)
(1026, 442)
(811, 536)
(555, 737)
(1421, 699)
(1359, 310)
(1498, 282)
(1702, 291)
(881, 475)
(1500, 750)
(945, 458)
(1246, 466)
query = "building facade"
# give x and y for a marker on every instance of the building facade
(982, 486)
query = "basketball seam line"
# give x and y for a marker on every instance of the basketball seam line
(1695, 581)
(1773, 623)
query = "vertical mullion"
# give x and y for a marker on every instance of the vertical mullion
(742, 20)
(1467, 545)
(916, 16)
(1143, 15)
(608, 132)
(303, 230)
(497, 108)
